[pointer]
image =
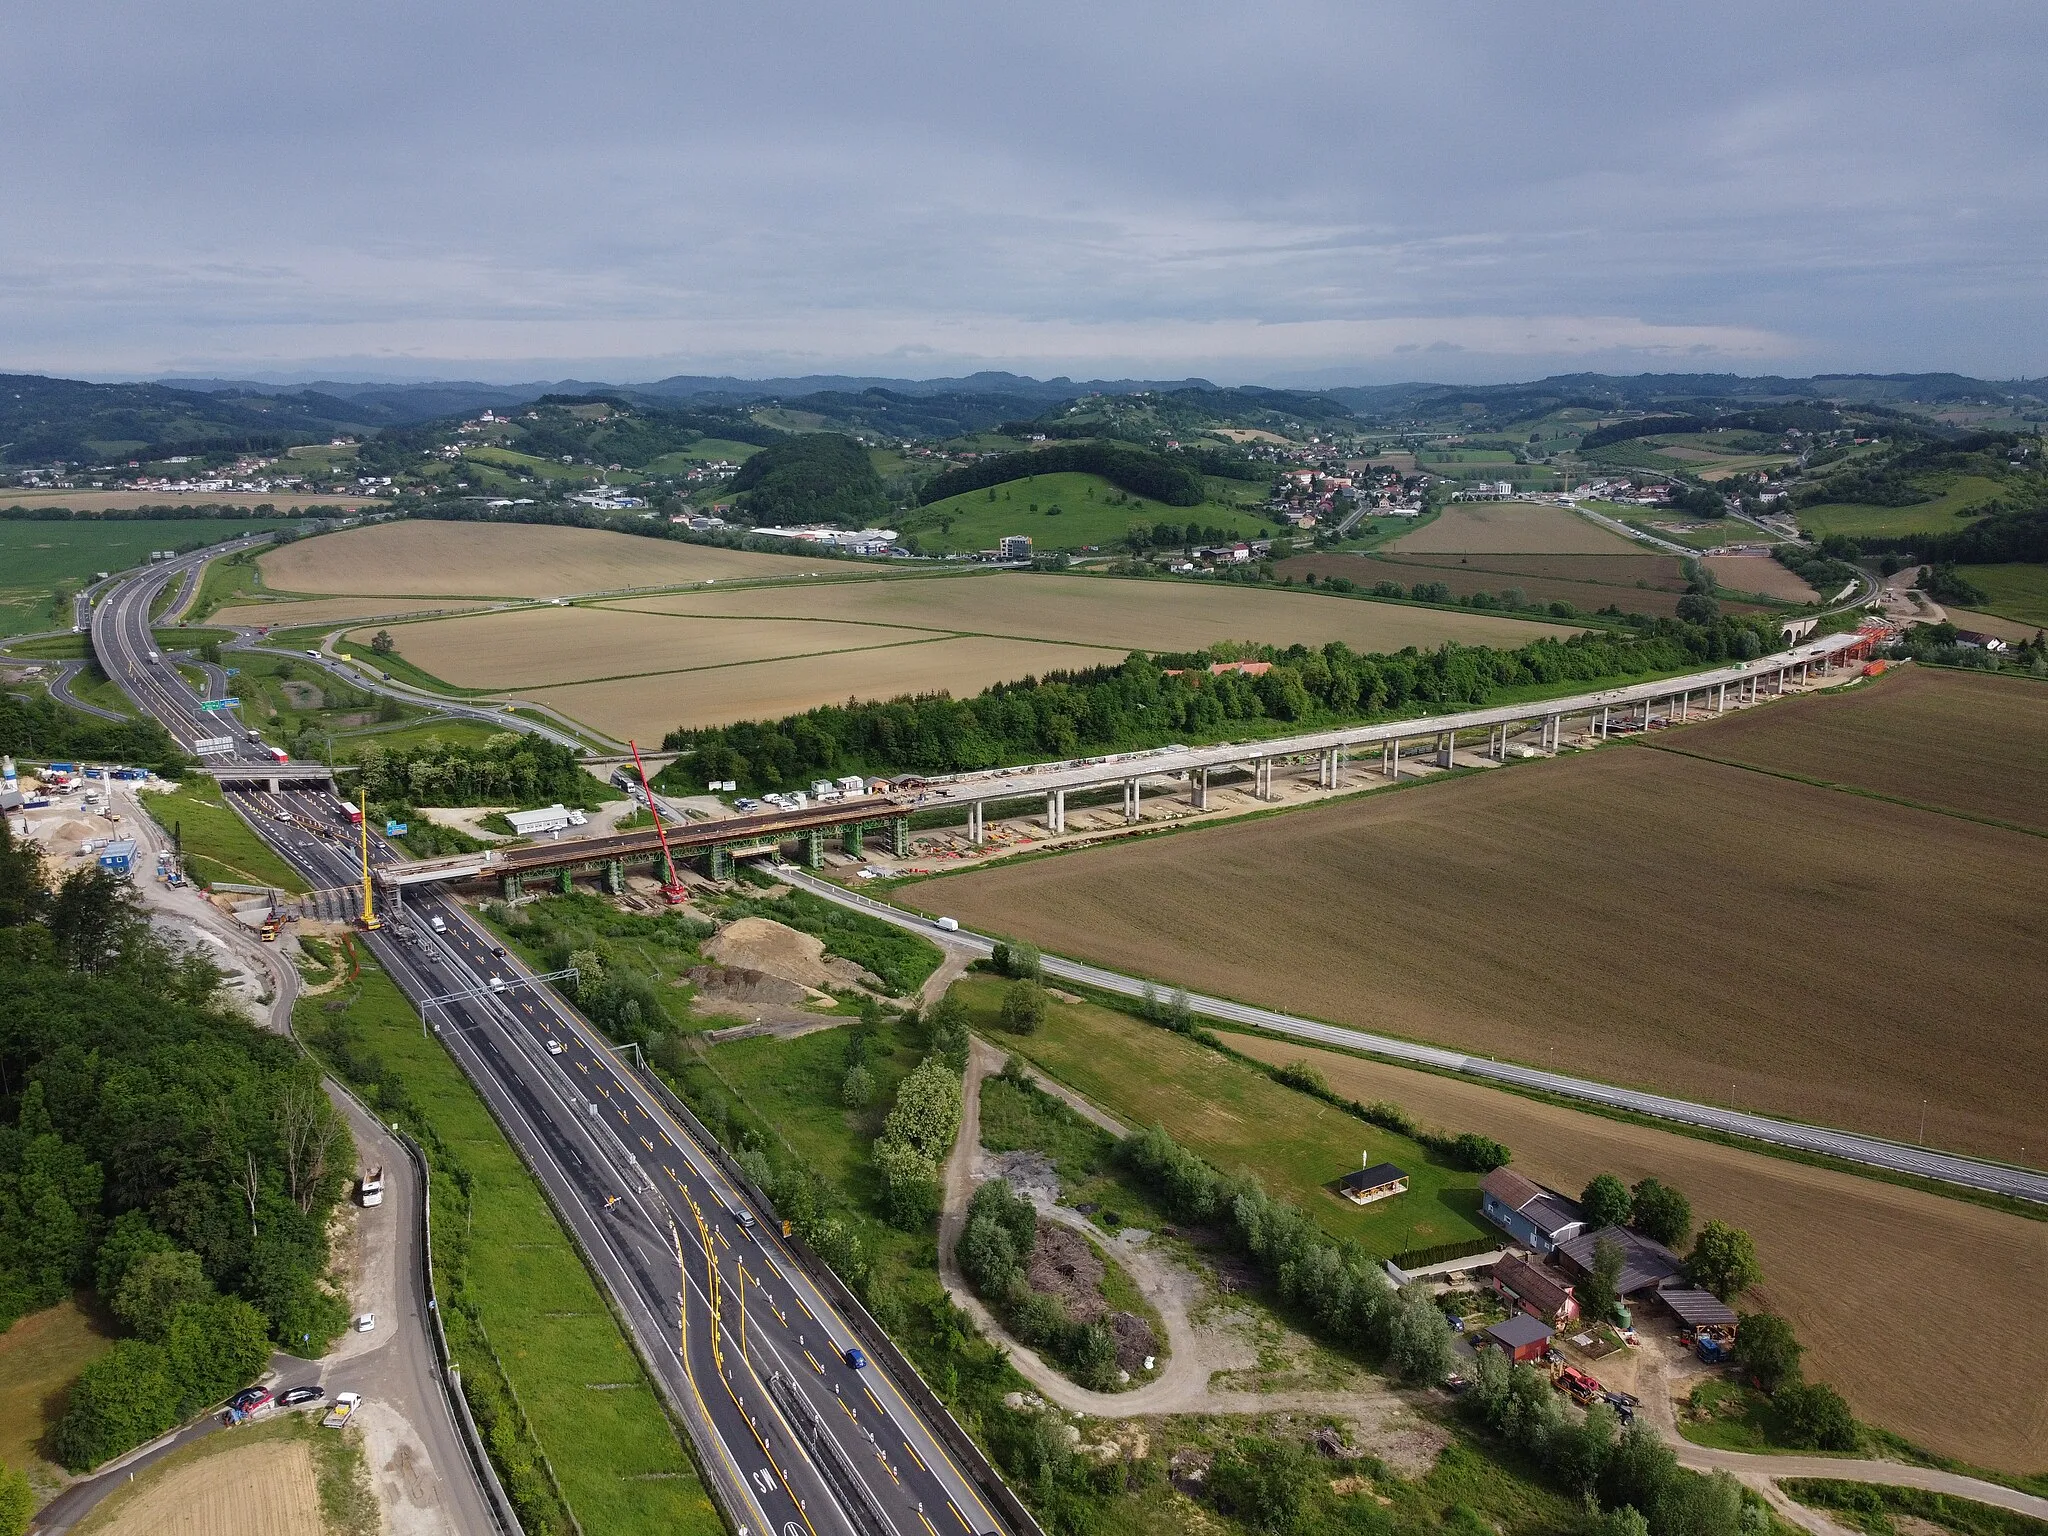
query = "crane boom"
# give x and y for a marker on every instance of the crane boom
(672, 889)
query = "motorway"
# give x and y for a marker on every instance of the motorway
(1872, 1151)
(793, 1439)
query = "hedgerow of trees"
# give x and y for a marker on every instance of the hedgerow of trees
(159, 1148)
(41, 728)
(506, 769)
(812, 477)
(1149, 701)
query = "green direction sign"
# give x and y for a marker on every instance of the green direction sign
(219, 703)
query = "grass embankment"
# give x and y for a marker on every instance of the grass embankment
(53, 648)
(1067, 511)
(93, 686)
(1237, 1117)
(1882, 1510)
(215, 842)
(356, 647)
(40, 1356)
(545, 1364)
(2016, 592)
(1940, 515)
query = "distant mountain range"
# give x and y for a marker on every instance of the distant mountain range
(47, 419)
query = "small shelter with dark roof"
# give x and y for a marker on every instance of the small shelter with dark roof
(1536, 1291)
(1533, 1216)
(1645, 1264)
(1520, 1337)
(1373, 1183)
(1701, 1311)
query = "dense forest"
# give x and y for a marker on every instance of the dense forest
(1130, 469)
(816, 477)
(35, 727)
(507, 769)
(158, 1148)
(1149, 701)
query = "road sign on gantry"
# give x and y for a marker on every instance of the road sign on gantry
(212, 746)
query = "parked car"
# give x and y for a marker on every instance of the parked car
(298, 1395)
(250, 1398)
(366, 1323)
(855, 1358)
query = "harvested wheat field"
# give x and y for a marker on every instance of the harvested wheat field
(1123, 615)
(266, 1488)
(1964, 741)
(420, 558)
(1628, 915)
(532, 647)
(1759, 573)
(1511, 528)
(334, 610)
(1837, 1251)
(644, 708)
(1664, 572)
(1603, 579)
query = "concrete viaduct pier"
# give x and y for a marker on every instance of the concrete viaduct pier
(1434, 741)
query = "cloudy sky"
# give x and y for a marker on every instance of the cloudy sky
(1280, 192)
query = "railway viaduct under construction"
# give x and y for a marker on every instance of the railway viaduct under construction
(1436, 737)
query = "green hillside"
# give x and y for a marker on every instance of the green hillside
(1939, 516)
(1062, 511)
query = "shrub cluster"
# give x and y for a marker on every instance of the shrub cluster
(994, 1249)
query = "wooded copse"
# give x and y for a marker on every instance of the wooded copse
(505, 769)
(1149, 701)
(159, 1148)
(1136, 470)
(814, 477)
(41, 728)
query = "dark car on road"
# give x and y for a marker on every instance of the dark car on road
(298, 1395)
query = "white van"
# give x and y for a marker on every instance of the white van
(437, 923)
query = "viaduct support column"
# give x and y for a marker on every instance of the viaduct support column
(812, 847)
(1394, 761)
(1721, 700)
(564, 883)
(1056, 811)
(899, 835)
(514, 887)
(1446, 743)
(614, 878)
(975, 832)
(1131, 803)
(853, 839)
(1198, 783)
(721, 861)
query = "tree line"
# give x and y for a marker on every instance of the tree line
(1136, 470)
(159, 1148)
(506, 768)
(1149, 701)
(42, 729)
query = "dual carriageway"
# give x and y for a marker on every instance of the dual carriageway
(751, 1354)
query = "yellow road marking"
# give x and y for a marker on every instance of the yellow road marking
(915, 1457)
(873, 1399)
(960, 1517)
(814, 1362)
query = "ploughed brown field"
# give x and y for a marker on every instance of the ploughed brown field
(1588, 582)
(1837, 1251)
(1965, 741)
(1759, 573)
(1629, 915)
(1512, 527)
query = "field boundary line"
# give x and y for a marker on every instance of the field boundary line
(724, 666)
(1844, 789)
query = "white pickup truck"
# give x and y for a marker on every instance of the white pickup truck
(345, 1405)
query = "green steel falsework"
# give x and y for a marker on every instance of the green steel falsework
(556, 864)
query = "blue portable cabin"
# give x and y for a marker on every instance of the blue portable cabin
(119, 858)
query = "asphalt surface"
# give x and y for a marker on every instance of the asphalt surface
(1897, 1157)
(797, 1441)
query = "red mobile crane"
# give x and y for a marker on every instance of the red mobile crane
(673, 891)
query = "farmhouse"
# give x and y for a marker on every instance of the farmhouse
(1645, 1265)
(1377, 1182)
(1521, 1337)
(1536, 1217)
(1535, 1291)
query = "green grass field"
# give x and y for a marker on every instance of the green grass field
(542, 469)
(703, 451)
(54, 648)
(230, 580)
(2017, 592)
(35, 557)
(448, 732)
(1237, 1117)
(95, 687)
(506, 1262)
(40, 1356)
(218, 844)
(1090, 511)
(1938, 516)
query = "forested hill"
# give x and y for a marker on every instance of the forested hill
(43, 420)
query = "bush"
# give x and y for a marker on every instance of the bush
(1271, 1485)
(1767, 1352)
(1723, 1259)
(1020, 962)
(1661, 1213)
(1479, 1153)
(1815, 1415)
(17, 1502)
(1023, 1007)
(1303, 1075)
(1606, 1203)
(1388, 1116)
(1420, 1347)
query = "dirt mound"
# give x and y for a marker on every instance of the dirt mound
(1028, 1173)
(1135, 1341)
(761, 944)
(1063, 1265)
(739, 984)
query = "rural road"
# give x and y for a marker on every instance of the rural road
(1871, 1151)
(60, 690)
